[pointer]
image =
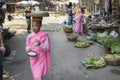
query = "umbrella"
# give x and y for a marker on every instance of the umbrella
(22, 2)
(109, 7)
(33, 2)
(73, 1)
(25, 3)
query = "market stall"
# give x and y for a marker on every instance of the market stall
(98, 27)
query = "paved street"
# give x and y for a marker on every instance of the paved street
(66, 59)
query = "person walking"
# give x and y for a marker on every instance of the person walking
(39, 42)
(69, 12)
(79, 22)
(28, 18)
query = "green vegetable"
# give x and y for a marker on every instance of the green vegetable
(81, 44)
(72, 35)
(110, 42)
(67, 27)
(93, 62)
(115, 48)
(112, 56)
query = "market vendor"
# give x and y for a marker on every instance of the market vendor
(103, 13)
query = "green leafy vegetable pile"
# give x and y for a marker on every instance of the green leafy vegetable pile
(112, 56)
(72, 35)
(110, 42)
(81, 44)
(93, 63)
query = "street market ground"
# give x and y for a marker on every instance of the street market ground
(65, 58)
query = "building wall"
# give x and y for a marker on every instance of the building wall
(97, 5)
(116, 9)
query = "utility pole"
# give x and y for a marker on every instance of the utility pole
(80, 2)
(43, 1)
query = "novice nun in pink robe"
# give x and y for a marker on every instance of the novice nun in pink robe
(39, 42)
(79, 24)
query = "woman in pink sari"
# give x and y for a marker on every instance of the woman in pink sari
(79, 24)
(39, 42)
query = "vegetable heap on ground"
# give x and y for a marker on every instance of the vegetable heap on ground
(81, 44)
(67, 27)
(93, 63)
(72, 35)
(112, 56)
(110, 42)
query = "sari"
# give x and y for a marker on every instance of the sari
(79, 24)
(40, 64)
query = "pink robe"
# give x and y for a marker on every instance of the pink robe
(79, 26)
(40, 64)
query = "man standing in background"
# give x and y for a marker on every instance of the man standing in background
(28, 18)
(69, 12)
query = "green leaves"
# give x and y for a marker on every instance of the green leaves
(93, 63)
(109, 42)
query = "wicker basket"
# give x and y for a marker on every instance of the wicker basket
(38, 14)
(91, 66)
(113, 62)
(90, 42)
(72, 39)
(68, 30)
(81, 46)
